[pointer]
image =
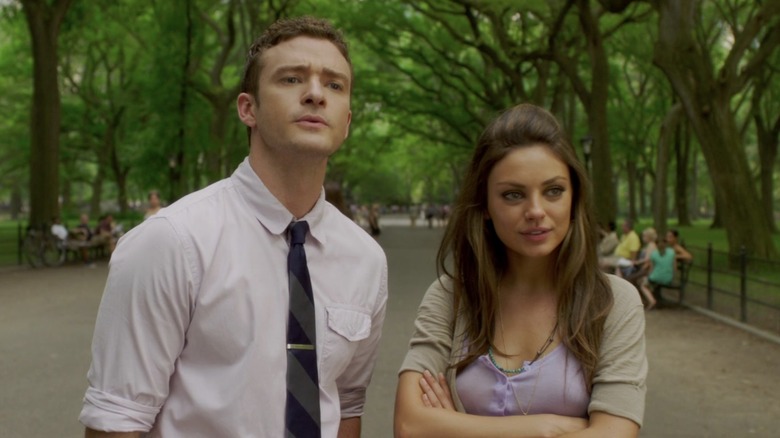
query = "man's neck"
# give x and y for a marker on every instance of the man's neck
(297, 184)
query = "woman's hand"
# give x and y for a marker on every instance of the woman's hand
(436, 393)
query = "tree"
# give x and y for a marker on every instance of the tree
(592, 87)
(706, 96)
(766, 117)
(44, 19)
(15, 69)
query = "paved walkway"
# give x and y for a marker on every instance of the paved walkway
(707, 379)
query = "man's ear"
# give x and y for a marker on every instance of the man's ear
(246, 107)
(349, 122)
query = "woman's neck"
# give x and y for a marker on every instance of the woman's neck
(529, 273)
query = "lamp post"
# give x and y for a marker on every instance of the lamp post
(586, 143)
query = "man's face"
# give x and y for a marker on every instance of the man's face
(303, 102)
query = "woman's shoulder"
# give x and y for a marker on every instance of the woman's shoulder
(624, 293)
(441, 288)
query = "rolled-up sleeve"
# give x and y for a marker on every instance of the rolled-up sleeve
(619, 386)
(353, 382)
(140, 329)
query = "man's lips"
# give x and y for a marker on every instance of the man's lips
(312, 119)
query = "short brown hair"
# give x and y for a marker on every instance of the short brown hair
(284, 30)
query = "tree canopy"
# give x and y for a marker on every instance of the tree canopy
(671, 105)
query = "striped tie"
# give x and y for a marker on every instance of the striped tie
(302, 414)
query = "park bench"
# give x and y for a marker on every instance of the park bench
(678, 284)
(95, 247)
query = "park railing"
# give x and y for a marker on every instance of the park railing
(740, 287)
(12, 242)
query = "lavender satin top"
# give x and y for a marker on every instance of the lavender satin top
(552, 385)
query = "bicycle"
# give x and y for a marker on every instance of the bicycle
(42, 248)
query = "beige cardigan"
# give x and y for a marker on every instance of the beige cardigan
(618, 385)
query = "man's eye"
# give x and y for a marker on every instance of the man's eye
(335, 86)
(291, 80)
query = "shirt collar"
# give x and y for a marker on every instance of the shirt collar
(268, 210)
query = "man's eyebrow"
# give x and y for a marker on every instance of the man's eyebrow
(336, 74)
(302, 68)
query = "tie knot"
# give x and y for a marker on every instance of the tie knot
(298, 232)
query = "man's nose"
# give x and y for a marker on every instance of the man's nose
(314, 93)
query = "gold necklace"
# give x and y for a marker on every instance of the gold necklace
(533, 393)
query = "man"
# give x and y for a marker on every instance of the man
(83, 234)
(58, 229)
(621, 262)
(106, 232)
(191, 335)
(609, 240)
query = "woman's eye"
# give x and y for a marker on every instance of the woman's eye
(513, 196)
(555, 191)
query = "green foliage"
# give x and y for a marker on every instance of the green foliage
(15, 97)
(146, 96)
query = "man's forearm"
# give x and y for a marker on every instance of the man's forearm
(349, 428)
(89, 433)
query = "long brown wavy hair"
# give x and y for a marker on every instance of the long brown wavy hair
(473, 256)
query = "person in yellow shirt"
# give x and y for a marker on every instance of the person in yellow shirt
(625, 253)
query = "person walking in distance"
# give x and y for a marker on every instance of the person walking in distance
(253, 307)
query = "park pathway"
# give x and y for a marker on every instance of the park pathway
(706, 379)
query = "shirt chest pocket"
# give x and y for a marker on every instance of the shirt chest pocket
(345, 327)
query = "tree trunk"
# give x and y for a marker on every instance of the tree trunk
(682, 149)
(44, 25)
(604, 192)
(767, 150)
(767, 147)
(16, 201)
(120, 173)
(706, 100)
(631, 173)
(695, 198)
(642, 190)
(177, 176)
(666, 136)
(97, 194)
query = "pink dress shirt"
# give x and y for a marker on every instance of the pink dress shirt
(191, 331)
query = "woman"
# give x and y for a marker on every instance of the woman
(154, 204)
(643, 265)
(543, 343)
(661, 265)
(673, 240)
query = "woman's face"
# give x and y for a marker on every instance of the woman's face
(154, 199)
(529, 199)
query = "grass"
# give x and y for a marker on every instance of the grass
(699, 235)
(8, 243)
